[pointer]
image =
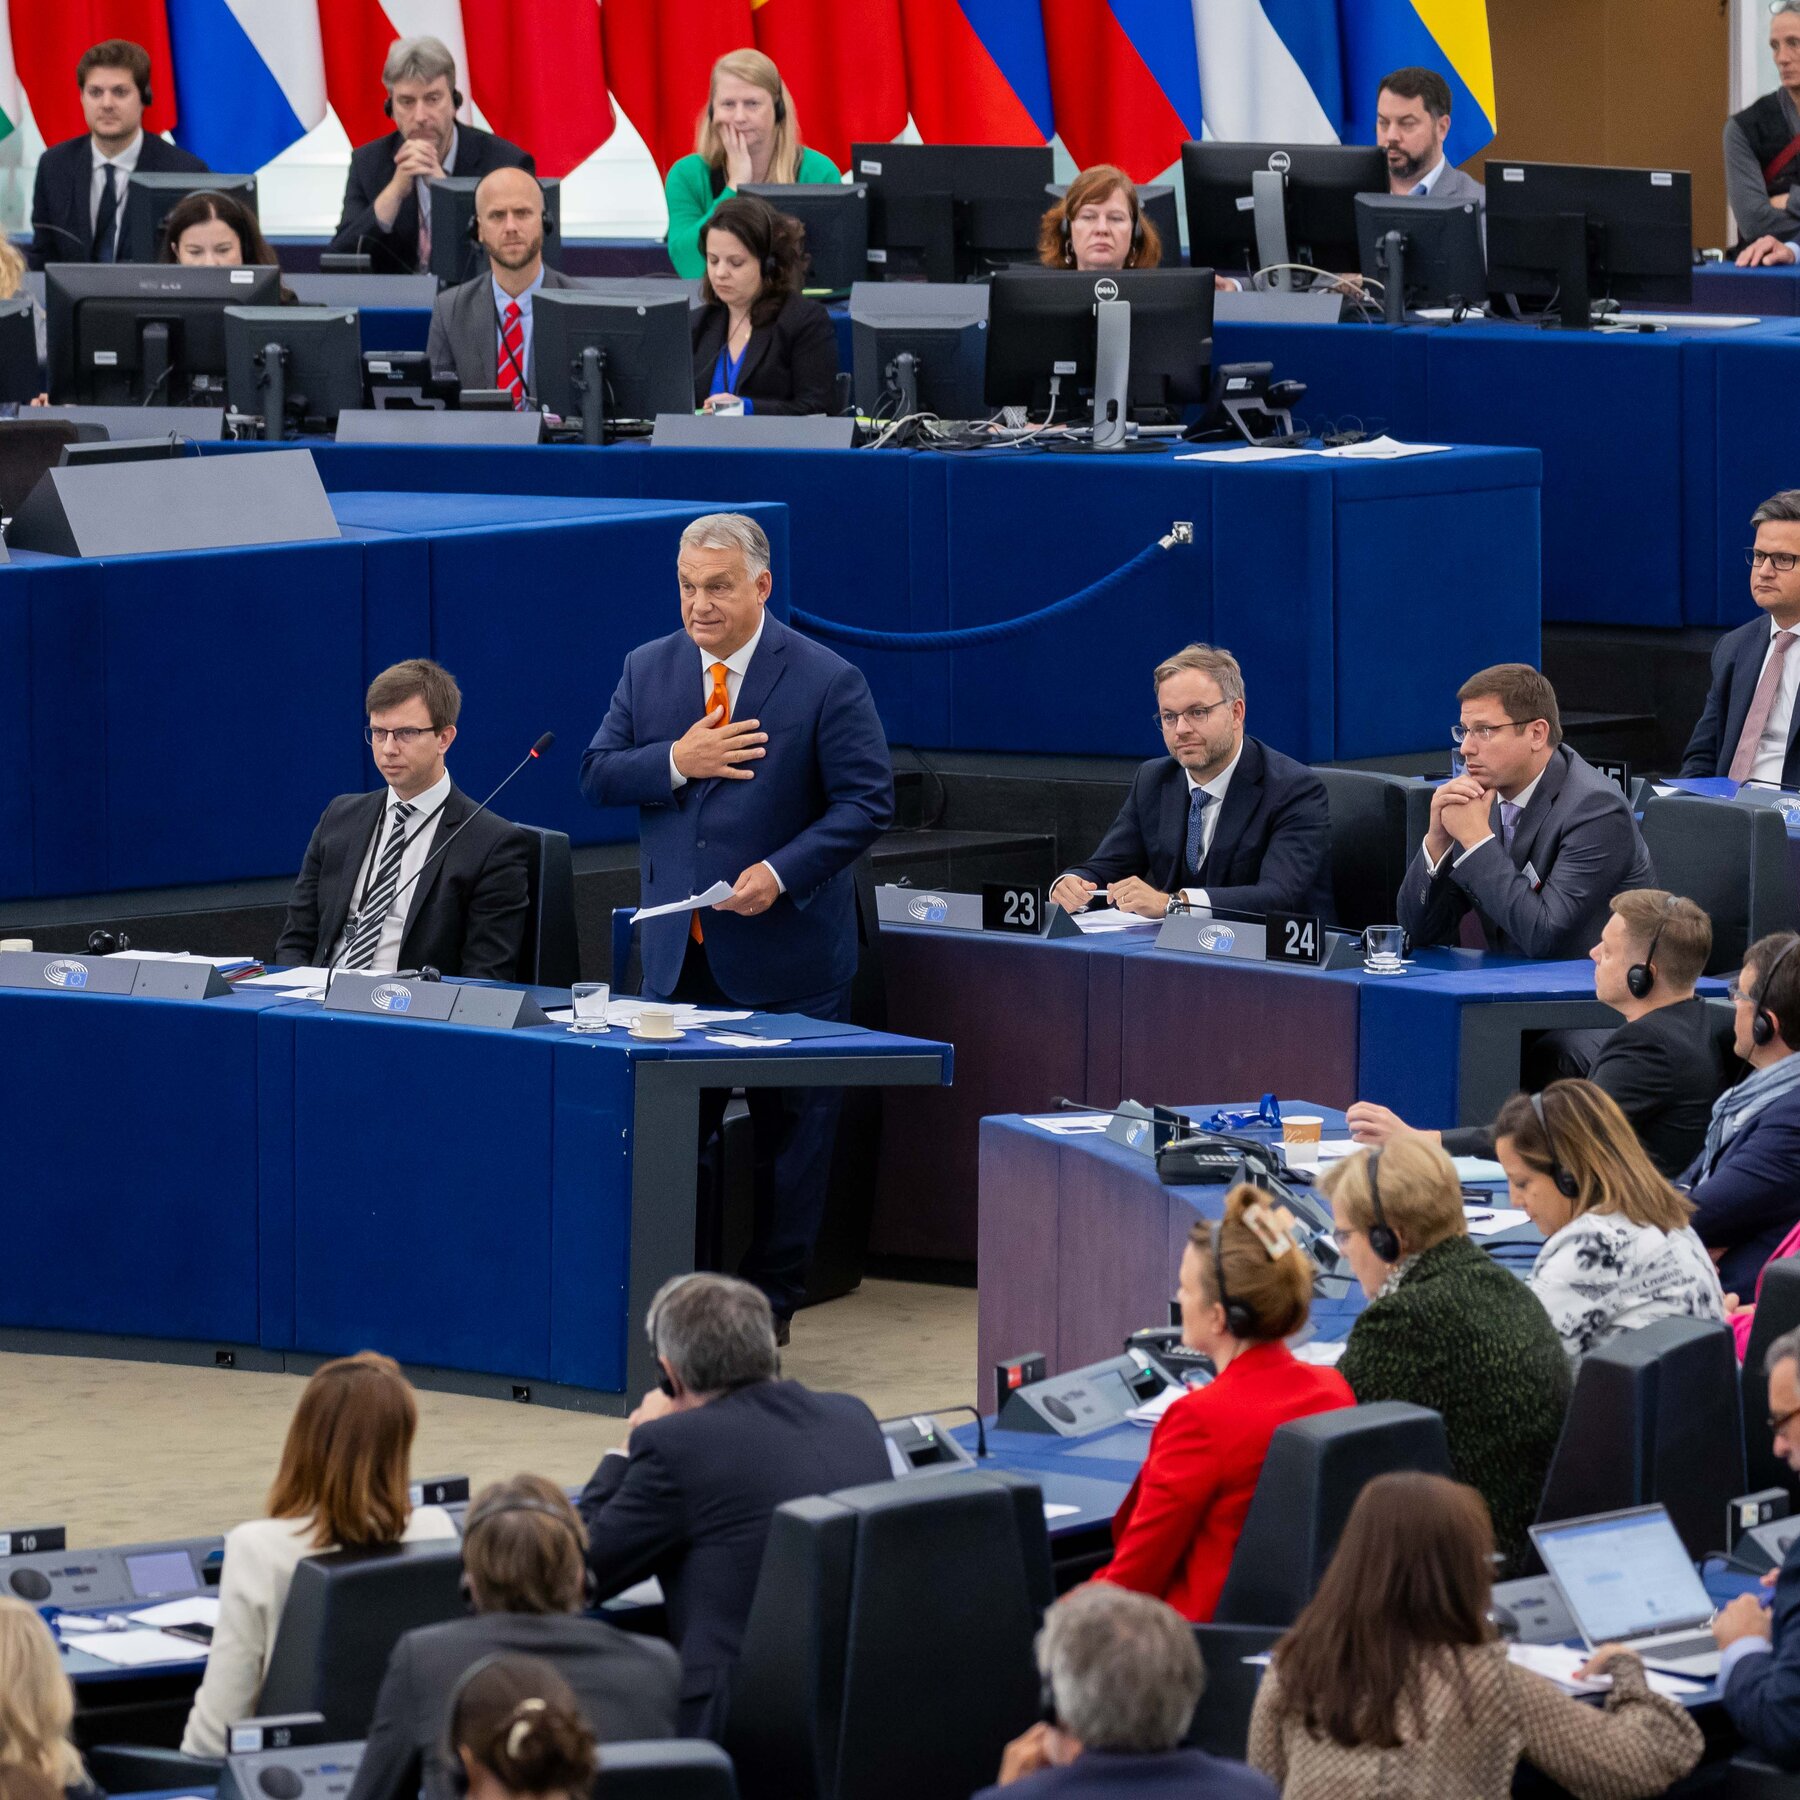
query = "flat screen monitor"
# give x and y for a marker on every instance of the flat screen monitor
(1424, 251)
(950, 212)
(455, 255)
(1157, 203)
(1577, 235)
(128, 334)
(20, 379)
(1317, 195)
(836, 223)
(150, 198)
(1043, 323)
(920, 347)
(642, 360)
(293, 365)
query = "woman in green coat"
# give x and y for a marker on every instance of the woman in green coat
(748, 133)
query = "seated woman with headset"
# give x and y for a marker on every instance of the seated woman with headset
(516, 1733)
(343, 1484)
(208, 230)
(1244, 1286)
(1099, 224)
(757, 338)
(747, 133)
(1448, 1328)
(1618, 1249)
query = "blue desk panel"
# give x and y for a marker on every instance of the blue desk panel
(1765, 293)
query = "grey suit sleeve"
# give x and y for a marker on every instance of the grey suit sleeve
(438, 350)
(1431, 907)
(391, 1764)
(1748, 193)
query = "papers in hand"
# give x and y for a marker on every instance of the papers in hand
(1109, 918)
(140, 1649)
(720, 890)
(1558, 1663)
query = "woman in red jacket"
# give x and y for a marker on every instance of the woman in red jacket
(1244, 1286)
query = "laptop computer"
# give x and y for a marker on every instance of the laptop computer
(1629, 1580)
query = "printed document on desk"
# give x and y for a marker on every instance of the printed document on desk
(141, 1649)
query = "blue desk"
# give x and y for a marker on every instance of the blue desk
(1766, 293)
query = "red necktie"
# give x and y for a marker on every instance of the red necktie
(719, 697)
(512, 354)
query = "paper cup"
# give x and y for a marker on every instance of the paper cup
(1300, 1137)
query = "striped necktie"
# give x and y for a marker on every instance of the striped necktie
(378, 899)
(512, 354)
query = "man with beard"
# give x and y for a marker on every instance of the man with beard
(1412, 119)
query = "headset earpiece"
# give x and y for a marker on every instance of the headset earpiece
(1640, 978)
(1563, 1179)
(456, 99)
(1762, 1024)
(387, 106)
(780, 103)
(1383, 1239)
(1240, 1321)
(144, 93)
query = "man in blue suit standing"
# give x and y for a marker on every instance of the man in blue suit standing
(754, 756)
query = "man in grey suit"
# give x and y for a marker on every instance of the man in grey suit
(1412, 119)
(1530, 839)
(481, 331)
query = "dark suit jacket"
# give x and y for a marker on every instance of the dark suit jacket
(62, 212)
(1117, 1775)
(820, 797)
(1579, 837)
(789, 366)
(1751, 1200)
(464, 340)
(691, 1505)
(1763, 1697)
(1270, 851)
(1737, 661)
(372, 168)
(627, 1686)
(466, 914)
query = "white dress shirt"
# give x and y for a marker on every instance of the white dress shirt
(1771, 751)
(1521, 800)
(1427, 184)
(126, 163)
(1209, 822)
(422, 828)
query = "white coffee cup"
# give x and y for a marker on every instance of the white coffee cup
(655, 1022)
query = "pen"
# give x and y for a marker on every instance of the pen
(1479, 1215)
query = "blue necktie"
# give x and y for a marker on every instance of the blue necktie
(1197, 806)
(1509, 822)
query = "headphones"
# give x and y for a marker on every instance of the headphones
(1383, 1239)
(522, 1503)
(780, 104)
(1640, 978)
(107, 943)
(1563, 1179)
(1762, 1026)
(1137, 232)
(1240, 1321)
(387, 105)
(459, 1776)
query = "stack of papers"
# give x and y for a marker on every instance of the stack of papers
(140, 1649)
(298, 984)
(1558, 1663)
(202, 1609)
(229, 966)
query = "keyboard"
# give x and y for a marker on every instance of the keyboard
(1677, 1648)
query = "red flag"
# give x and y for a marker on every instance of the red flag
(659, 59)
(49, 37)
(539, 77)
(357, 34)
(1110, 104)
(844, 65)
(976, 72)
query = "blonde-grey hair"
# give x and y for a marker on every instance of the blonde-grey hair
(730, 531)
(1221, 665)
(1123, 1668)
(418, 59)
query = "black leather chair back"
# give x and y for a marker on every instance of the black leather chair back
(1221, 1724)
(549, 956)
(1369, 843)
(1310, 1479)
(1654, 1417)
(345, 1612)
(29, 448)
(888, 1652)
(1777, 1310)
(666, 1769)
(1732, 860)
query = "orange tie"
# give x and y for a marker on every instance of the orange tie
(720, 697)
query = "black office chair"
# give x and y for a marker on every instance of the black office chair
(1310, 1478)
(665, 1769)
(1221, 1725)
(1370, 846)
(1777, 1310)
(1654, 1417)
(1732, 860)
(549, 956)
(149, 1769)
(888, 1652)
(29, 448)
(344, 1613)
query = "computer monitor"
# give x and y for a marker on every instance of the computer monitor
(299, 365)
(606, 359)
(1424, 251)
(124, 334)
(1152, 354)
(1257, 206)
(836, 223)
(1156, 202)
(920, 347)
(1578, 235)
(150, 198)
(20, 379)
(455, 255)
(949, 212)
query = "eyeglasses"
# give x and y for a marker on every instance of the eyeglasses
(1734, 993)
(1778, 1424)
(1483, 734)
(1192, 715)
(1784, 560)
(403, 735)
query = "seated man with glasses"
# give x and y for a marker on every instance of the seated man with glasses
(1529, 840)
(1221, 823)
(372, 894)
(1748, 730)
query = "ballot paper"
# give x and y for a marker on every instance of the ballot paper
(1486, 1223)
(1558, 1663)
(742, 1040)
(1382, 449)
(140, 1649)
(1243, 453)
(720, 890)
(201, 1609)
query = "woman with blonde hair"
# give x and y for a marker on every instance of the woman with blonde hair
(748, 132)
(37, 1704)
(342, 1484)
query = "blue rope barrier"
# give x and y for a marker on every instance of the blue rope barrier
(985, 634)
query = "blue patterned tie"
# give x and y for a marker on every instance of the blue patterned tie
(1197, 806)
(1509, 822)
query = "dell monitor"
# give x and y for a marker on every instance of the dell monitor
(143, 334)
(920, 347)
(1424, 251)
(1260, 206)
(952, 212)
(150, 198)
(835, 220)
(299, 365)
(610, 359)
(456, 256)
(1151, 353)
(20, 379)
(1576, 236)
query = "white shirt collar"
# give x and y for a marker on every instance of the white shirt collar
(424, 805)
(502, 299)
(450, 160)
(738, 662)
(1522, 798)
(1775, 630)
(1429, 182)
(127, 159)
(1221, 781)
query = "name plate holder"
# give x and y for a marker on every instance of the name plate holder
(111, 975)
(970, 912)
(443, 1003)
(1145, 1128)
(1245, 940)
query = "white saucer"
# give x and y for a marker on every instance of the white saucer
(657, 1037)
